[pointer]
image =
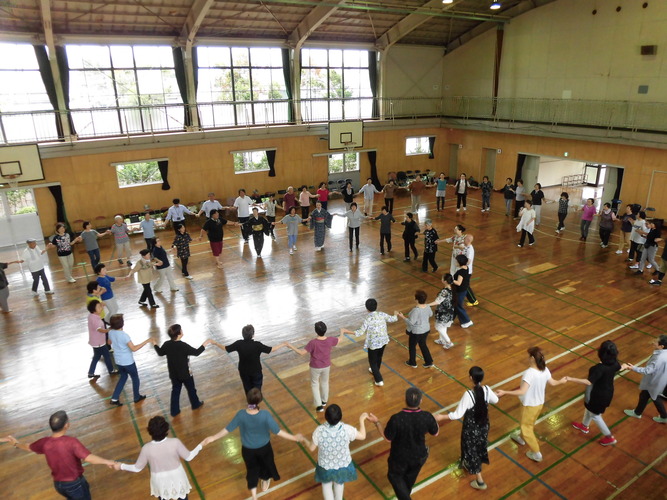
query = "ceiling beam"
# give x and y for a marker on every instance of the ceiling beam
(195, 17)
(311, 22)
(409, 23)
(519, 9)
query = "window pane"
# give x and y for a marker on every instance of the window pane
(314, 57)
(23, 91)
(126, 86)
(216, 56)
(88, 56)
(214, 85)
(313, 83)
(138, 173)
(21, 202)
(264, 57)
(351, 162)
(240, 56)
(336, 85)
(17, 56)
(336, 164)
(416, 145)
(335, 58)
(242, 85)
(153, 57)
(250, 161)
(90, 89)
(121, 56)
(355, 58)
(150, 82)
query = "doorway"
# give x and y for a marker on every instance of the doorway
(453, 162)
(489, 163)
(19, 219)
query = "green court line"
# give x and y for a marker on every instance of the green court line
(377, 488)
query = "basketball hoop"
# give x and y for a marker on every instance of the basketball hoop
(349, 146)
(12, 181)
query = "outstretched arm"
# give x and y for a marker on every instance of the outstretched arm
(302, 352)
(15, 443)
(214, 437)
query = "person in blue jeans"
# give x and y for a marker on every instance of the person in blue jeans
(64, 455)
(461, 282)
(178, 353)
(123, 348)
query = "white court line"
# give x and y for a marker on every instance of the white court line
(634, 479)
(453, 405)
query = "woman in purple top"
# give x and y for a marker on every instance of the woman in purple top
(588, 211)
(320, 362)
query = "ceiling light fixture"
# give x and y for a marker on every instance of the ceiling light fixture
(495, 6)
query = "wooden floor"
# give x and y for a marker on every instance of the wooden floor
(562, 295)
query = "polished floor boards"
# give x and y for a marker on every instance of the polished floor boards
(561, 294)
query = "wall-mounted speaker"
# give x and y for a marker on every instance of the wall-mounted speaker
(649, 50)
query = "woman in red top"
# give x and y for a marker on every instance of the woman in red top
(323, 195)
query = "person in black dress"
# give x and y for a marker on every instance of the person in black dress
(474, 409)
(461, 284)
(214, 227)
(177, 353)
(410, 235)
(258, 226)
(599, 391)
(250, 367)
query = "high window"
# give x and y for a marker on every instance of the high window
(250, 161)
(343, 162)
(22, 89)
(335, 85)
(417, 146)
(240, 86)
(138, 173)
(120, 89)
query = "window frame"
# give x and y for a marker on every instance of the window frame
(345, 169)
(427, 152)
(152, 183)
(250, 151)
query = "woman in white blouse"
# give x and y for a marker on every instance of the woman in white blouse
(474, 409)
(334, 462)
(168, 478)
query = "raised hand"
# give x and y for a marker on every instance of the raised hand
(364, 415)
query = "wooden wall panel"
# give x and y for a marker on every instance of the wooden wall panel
(90, 187)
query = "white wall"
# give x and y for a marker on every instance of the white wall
(563, 47)
(552, 171)
(413, 71)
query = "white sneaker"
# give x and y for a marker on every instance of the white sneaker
(467, 325)
(71, 280)
(649, 266)
(294, 248)
(189, 278)
(518, 439)
(619, 251)
(318, 249)
(35, 294)
(536, 457)
(464, 209)
(483, 210)
(49, 292)
(379, 384)
(458, 209)
(448, 345)
(635, 266)
(291, 252)
(439, 342)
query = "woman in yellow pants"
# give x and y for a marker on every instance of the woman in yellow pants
(531, 393)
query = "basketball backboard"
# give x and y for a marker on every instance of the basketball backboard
(343, 135)
(23, 162)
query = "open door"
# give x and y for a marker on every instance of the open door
(19, 219)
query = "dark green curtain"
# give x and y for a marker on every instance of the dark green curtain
(520, 160)
(431, 144)
(287, 74)
(163, 165)
(271, 158)
(63, 66)
(49, 84)
(372, 159)
(373, 77)
(179, 68)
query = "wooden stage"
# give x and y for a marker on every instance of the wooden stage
(563, 295)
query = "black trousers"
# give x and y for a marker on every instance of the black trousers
(150, 244)
(413, 341)
(389, 203)
(375, 362)
(184, 266)
(402, 475)
(604, 235)
(176, 386)
(304, 214)
(644, 396)
(461, 198)
(561, 220)
(518, 205)
(244, 233)
(440, 200)
(147, 294)
(250, 380)
(635, 254)
(353, 231)
(385, 237)
(429, 258)
(531, 239)
(410, 244)
(271, 218)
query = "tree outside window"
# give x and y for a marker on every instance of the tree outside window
(250, 161)
(416, 146)
(343, 162)
(138, 173)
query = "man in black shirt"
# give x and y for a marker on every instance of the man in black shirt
(406, 430)
(250, 367)
(177, 353)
